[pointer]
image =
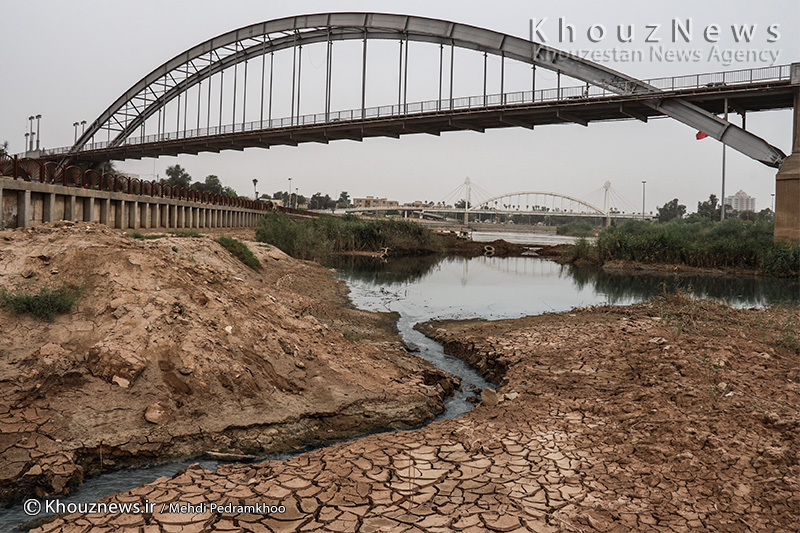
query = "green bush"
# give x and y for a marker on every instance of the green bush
(45, 302)
(732, 243)
(240, 251)
(576, 228)
(317, 237)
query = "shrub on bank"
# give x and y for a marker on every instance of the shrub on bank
(240, 251)
(732, 243)
(314, 238)
(45, 302)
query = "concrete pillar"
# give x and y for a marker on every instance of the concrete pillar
(70, 210)
(156, 209)
(49, 207)
(133, 215)
(181, 217)
(88, 209)
(105, 211)
(146, 215)
(23, 209)
(120, 220)
(201, 217)
(196, 219)
(787, 181)
(173, 216)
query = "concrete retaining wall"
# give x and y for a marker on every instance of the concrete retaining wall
(27, 203)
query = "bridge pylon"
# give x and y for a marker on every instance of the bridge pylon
(787, 181)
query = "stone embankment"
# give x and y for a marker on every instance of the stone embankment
(672, 415)
(177, 348)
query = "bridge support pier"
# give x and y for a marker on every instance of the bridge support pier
(105, 211)
(23, 209)
(119, 216)
(49, 208)
(88, 209)
(146, 215)
(70, 208)
(133, 215)
(787, 181)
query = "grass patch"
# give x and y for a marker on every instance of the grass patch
(732, 243)
(187, 233)
(316, 238)
(240, 251)
(45, 302)
(146, 236)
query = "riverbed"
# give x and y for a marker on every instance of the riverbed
(482, 287)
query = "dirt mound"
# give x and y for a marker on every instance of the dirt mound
(176, 347)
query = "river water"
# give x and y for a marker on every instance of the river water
(426, 288)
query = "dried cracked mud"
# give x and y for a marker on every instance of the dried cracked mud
(671, 415)
(177, 348)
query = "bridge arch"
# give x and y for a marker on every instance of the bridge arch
(175, 77)
(476, 208)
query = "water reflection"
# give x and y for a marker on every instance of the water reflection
(384, 272)
(493, 287)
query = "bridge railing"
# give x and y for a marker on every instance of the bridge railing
(42, 171)
(553, 94)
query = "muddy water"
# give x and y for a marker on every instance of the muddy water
(420, 289)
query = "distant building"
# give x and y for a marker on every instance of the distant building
(741, 202)
(371, 201)
(418, 203)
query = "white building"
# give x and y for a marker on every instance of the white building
(741, 202)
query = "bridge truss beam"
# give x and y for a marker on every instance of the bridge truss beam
(149, 97)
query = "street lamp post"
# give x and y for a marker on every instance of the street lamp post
(643, 196)
(30, 137)
(75, 126)
(27, 135)
(772, 204)
(255, 182)
(37, 132)
(289, 192)
(296, 197)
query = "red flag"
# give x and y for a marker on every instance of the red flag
(700, 135)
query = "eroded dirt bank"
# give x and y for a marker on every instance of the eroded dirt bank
(671, 415)
(176, 348)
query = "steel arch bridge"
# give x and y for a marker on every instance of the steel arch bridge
(162, 97)
(573, 205)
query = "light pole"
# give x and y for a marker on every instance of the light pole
(643, 189)
(75, 126)
(37, 132)
(27, 135)
(83, 127)
(255, 182)
(772, 204)
(30, 137)
(296, 197)
(289, 192)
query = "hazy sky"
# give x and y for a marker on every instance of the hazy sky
(68, 61)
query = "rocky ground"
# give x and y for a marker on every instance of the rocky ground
(176, 348)
(671, 415)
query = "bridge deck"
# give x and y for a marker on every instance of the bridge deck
(742, 97)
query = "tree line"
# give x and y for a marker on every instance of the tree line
(178, 177)
(710, 210)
